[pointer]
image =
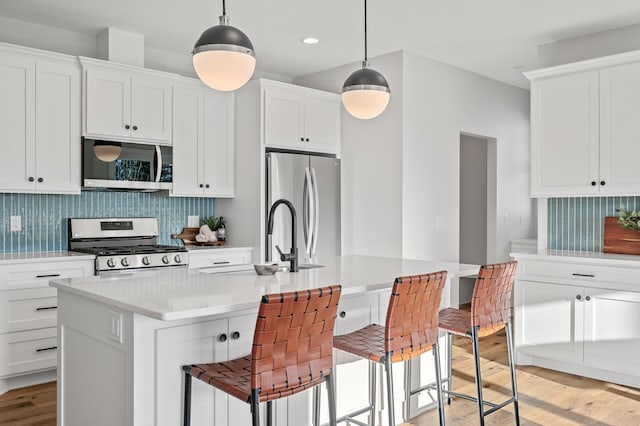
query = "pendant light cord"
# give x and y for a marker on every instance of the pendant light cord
(365, 32)
(224, 8)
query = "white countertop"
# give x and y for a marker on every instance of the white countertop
(184, 293)
(43, 256)
(586, 257)
(196, 248)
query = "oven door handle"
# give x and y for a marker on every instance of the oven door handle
(158, 163)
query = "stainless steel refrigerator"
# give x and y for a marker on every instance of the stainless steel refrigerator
(312, 184)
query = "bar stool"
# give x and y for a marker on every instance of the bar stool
(292, 351)
(411, 329)
(490, 313)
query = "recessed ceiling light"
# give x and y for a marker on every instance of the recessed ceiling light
(310, 40)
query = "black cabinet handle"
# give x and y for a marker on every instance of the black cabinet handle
(223, 337)
(31, 179)
(583, 275)
(45, 308)
(602, 182)
(593, 183)
(307, 139)
(587, 298)
(206, 186)
(201, 186)
(301, 139)
(222, 263)
(40, 180)
(235, 335)
(578, 297)
(126, 126)
(50, 348)
(47, 275)
(135, 127)
(343, 314)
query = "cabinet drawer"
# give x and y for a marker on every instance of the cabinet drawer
(577, 271)
(28, 351)
(36, 276)
(27, 309)
(216, 260)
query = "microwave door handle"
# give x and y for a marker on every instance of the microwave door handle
(316, 208)
(158, 163)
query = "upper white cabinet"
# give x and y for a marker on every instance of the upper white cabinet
(40, 122)
(203, 138)
(583, 126)
(125, 103)
(300, 118)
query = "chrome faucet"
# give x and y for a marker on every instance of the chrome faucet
(292, 256)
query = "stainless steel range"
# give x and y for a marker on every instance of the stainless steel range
(124, 244)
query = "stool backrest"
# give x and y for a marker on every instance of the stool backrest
(412, 318)
(491, 301)
(293, 340)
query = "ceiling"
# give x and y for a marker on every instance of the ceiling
(495, 38)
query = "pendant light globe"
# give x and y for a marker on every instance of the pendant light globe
(365, 93)
(223, 56)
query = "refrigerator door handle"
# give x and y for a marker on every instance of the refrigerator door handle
(316, 211)
(308, 211)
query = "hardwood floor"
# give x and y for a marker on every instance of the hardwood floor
(546, 397)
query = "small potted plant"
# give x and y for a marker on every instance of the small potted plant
(212, 221)
(629, 219)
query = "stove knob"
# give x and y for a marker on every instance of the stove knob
(178, 259)
(146, 260)
(111, 263)
(124, 261)
(165, 259)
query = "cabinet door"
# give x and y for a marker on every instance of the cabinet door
(611, 332)
(17, 119)
(322, 123)
(188, 133)
(283, 118)
(564, 135)
(218, 145)
(151, 109)
(107, 103)
(619, 112)
(190, 344)
(549, 320)
(57, 154)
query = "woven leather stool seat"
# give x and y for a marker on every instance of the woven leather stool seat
(490, 313)
(292, 351)
(411, 329)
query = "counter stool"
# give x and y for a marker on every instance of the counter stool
(292, 351)
(490, 313)
(411, 329)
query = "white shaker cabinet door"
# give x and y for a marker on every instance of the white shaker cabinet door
(283, 118)
(549, 319)
(151, 109)
(57, 154)
(564, 135)
(108, 102)
(217, 153)
(611, 331)
(619, 113)
(188, 131)
(17, 119)
(322, 123)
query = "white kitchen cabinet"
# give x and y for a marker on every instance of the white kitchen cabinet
(583, 126)
(124, 103)
(203, 135)
(220, 259)
(301, 119)
(40, 118)
(578, 317)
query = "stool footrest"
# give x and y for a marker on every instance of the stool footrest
(493, 405)
(350, 419)
(422, 388)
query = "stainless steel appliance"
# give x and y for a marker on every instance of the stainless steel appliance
(124, 244)
(312, 184)
(125, 165)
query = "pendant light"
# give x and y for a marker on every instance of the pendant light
(365, 93)
(107, 151)
(223, 56)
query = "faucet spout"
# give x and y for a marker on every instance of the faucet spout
(292, 256)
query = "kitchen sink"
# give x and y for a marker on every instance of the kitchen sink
(302, 266)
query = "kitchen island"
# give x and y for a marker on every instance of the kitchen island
(123, 338)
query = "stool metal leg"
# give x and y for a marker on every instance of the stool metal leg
(372, 391)
(269, 413)
(512, 367)
(436, 361)
(255, 412)
(187, 400)
(331, 394)
(388, 370)
(449, 366)
(407, 391)
(476, 359)
(316, 406)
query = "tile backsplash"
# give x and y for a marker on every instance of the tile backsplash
(44, 216)
(578, 223)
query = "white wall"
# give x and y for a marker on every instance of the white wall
(401, 170)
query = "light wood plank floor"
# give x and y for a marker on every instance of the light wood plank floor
(546, 397)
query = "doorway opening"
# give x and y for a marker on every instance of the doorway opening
(477, 228)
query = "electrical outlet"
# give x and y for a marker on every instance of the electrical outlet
(115, 326)
(193, 221)
(506, 218)
(16, 223)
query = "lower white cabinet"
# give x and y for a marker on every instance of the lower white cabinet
(220, 259)
(584, 322)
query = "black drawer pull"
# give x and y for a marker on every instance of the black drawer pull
(50, 348)
(583, 275)
(47, 275)
(44, 308)
(222, 263)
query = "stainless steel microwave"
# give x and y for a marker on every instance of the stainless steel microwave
(126, 165)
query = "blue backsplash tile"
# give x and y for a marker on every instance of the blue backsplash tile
(578, 223)
(44, 216)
